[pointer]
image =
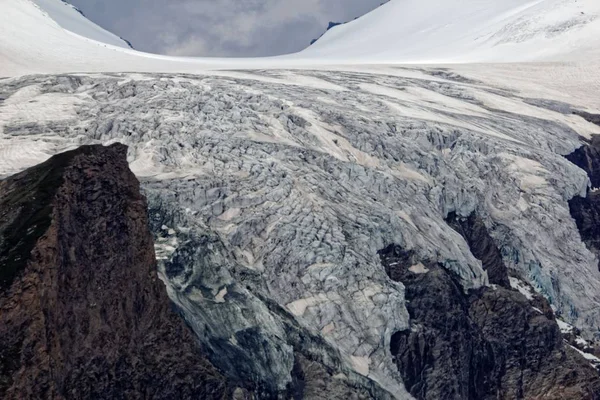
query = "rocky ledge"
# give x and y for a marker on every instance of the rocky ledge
(82, 311)
(586, 210)
(489, 343)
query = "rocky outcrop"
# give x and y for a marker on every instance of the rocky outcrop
(333, 24)
(593, 118)
(489, 343)
(481, 244)
(84, 314)
(82, 311)
(586, 213)
(587, 157)
(586, 210)
(329, 26)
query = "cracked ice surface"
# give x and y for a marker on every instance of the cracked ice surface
(296, 179)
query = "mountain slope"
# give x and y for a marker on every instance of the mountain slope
(72, 20)
(429, 31)
(85, 315)
(401, 31)
(32, 42)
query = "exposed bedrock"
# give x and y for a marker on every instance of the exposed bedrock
(593, 118)
(488, 343)
(587, 157)
(586, 213)
(82, 311)
(483, 247)
(586, 210)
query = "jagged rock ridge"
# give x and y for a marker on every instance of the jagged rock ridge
(587, 157)
(82, 311)
(586, 210)
(333, 24)
(489, 343)
(586, 213)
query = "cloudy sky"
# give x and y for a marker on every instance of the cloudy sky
(221, 27)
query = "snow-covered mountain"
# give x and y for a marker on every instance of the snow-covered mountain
(426, 31)
(407, 31)
(335, 219)
(72, 19)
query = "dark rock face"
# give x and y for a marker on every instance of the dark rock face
(473, 230)
(329, 26)
(486, 344)
(586, 213)
(587, 157)
(334, 24)
(82, 311)
(437, 357)
(593, 118)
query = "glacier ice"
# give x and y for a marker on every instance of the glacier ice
(271, 193)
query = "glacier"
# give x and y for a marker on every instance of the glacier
(288, 191)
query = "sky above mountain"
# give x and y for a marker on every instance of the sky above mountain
(233, 28)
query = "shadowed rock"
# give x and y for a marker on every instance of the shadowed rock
(586, 210)
(586, 213)
(475, 233)
(587, 157)
(593, 118)
(82, 311)
(486, 344)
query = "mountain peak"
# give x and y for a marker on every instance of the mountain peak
(83, 310)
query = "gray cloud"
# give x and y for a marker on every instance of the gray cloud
(237, 28)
